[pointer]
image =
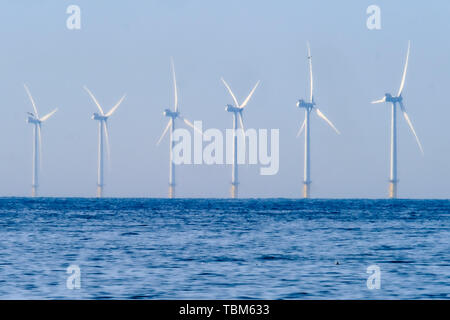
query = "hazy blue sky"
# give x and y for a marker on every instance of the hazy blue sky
(125, 47)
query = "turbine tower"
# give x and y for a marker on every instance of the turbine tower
(34, 119)
(389, 98)
(237, 114)
(309, 106)
(173, 115)
(103, 137)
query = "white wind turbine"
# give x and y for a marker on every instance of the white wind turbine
(172, 115)
(37, 121)
(102, 119)
(393, 178)
(237, 113)
(309, 106)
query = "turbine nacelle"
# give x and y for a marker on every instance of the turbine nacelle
(99, 117)
(390, 98)
(32, 118)
(231, 108)
(171, 114)
(307, 105)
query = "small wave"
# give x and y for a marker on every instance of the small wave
(129, 234)
(277, 257)
(400, 261)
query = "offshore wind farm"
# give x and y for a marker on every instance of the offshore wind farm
(236, 110)
(354, 164)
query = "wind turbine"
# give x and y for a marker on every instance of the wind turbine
(393, 179)
(309, 106)
(34, 119)
(173, 115)
(102, 119)
(237, 114)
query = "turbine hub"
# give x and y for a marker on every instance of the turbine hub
(97, 116)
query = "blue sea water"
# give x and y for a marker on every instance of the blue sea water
(224, 249)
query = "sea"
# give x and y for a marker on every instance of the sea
(70, 248)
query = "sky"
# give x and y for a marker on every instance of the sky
(125, 47)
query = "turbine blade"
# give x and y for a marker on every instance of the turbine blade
(108, 148)
(402, 107)
(320, 114)
(242, 106)
(32, 101)
(169, 124)
(231, 93)
(95, 100)
(113, 109)
(48, 115)
(402, 84)
(379, 101)
(175, 107)
(190, 124)
(301, 128)
(311, 85)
